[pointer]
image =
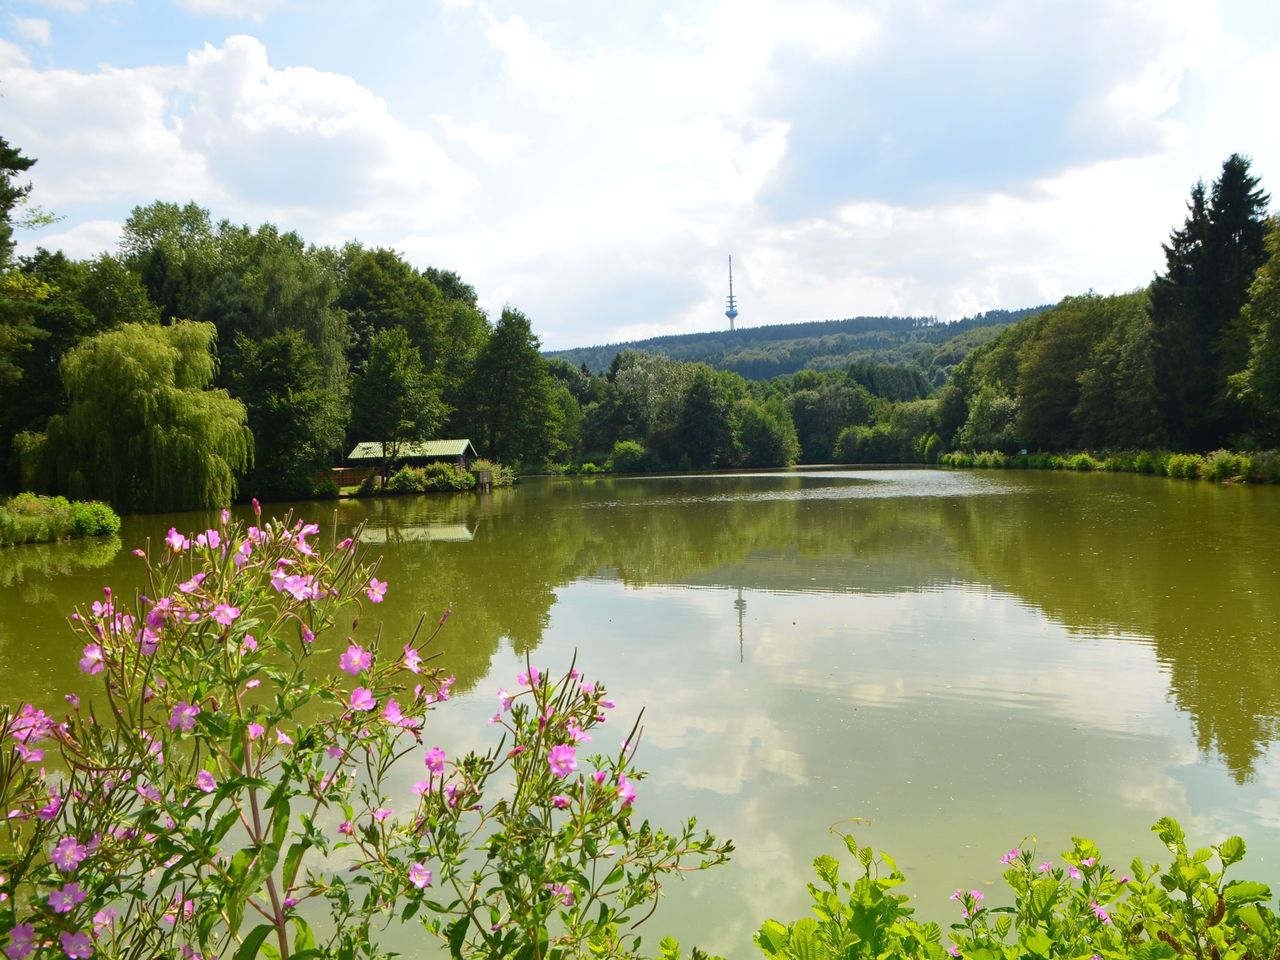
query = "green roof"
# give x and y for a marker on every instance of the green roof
(372, 449)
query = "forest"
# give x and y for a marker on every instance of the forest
(205, 361)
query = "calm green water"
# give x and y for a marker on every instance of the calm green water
(962, 659)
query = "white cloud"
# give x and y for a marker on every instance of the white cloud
(255, 10)
(490, 145)
(84, 240)
(33, 28)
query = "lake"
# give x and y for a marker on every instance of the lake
(942, 663)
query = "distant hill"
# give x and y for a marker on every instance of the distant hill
(759, 353)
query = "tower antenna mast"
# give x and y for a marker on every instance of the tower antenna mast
(732, 311)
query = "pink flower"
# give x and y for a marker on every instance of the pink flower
(91, 662)
(1011, 856)
(346, 829)
(422, 786)
(22, 940)
(104, 918)
(1046, 867)
(50, 810)
(1088, 861)
(560, 801)
(435, 760)
(183, 716)
(562, 893)
(249, 644)
(1124, 880)
(362, 699)
(530, 679)
(76, 945)
(377, 590)
(225, 614)
(600, 776)
(252, 684)
(192, 585)
(382, 813)
(412, 659)
(283, 739)
(30, 755)
(576, 733)
(68, 854)
(395, 716)
(256, 730)
(419, 875)
(1099, 912)
(205, 781)
(66, 899)
(626, 791)
(356, 658)
(505, 699)
(176, 541)
(562, 760)
(1073, 872)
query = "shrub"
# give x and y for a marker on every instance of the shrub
(1184, 465)
(1224, 465)
(208, 816)
(326, 488)
(503, 476)
(1264, 467)
(628, 456)
(443, 477)
(92, 518)
(1144, 462)
(406, 480)
(368, 486)
(28, 518)
(1081, 461)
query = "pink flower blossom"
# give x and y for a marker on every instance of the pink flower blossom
(626, 791)
(256, 730)
(91, 662)
(576, 733)
(600, 776)
(562, 760)
(412, 659)
(183, 716)
(435, 760)
(225, 614)
(1088, 861)
(176, 541)
(377, 590)
(67, 898)
(192, 585)
(1098, 912)
(252, 684)
(560, 801)
(1073, 872)
(395, 716)
(419, 875)
(346, 829)
(1011, 856)
(530, 679)
(505, 699)
(104, 918)
(308, 637)
(77, 946)
(362, 699)
(50, 810)
(205, 781)
(68, 853)
(1045, 867)
(249, 644)
(22, 940)
(356, 658)
(29, 754)
(382, 813)
(422, 786)
(562, 893)
(283, 739)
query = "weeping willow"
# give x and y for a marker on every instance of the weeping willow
(143, 432)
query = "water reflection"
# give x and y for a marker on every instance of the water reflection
(963, 658)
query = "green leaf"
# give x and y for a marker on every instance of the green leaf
(457, 934)
(291, 861)
(303, 938)
(249, 949)
(1038, 942)
(1245, 891)
(1231, 850)
(1044, 893)
(280, 824)
(828, 870)
(1003, 925)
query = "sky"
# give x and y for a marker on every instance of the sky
(595, 165)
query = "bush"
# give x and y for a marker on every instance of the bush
(503, 476)
(444, 477)
(628, 456)
(28, 518)
(368, 486)
(1184, 465)
(1082, 462)
(326, 488)
(1224, 465)
(1264, 467)
(197, 817)
(406, 480)
(1077, 908)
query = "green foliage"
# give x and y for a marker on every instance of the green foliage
(503, 476)
(627, 456)
(432, 478)
(865, 920)
(1258, 385)
(393, 399)
(12, 194)
(28, 518)
(142, 431)
(866, 445)
(512, 395)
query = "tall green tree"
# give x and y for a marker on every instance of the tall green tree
(512, 395)
(1198, 337)
(298, 423)
(143, 431)
(704, 429)
(175, 251)
(1258, 385)
(394, 400)
(12, 194)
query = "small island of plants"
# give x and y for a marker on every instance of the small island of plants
(28, 518)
